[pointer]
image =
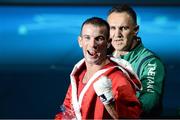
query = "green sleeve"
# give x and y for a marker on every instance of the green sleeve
(152, 77)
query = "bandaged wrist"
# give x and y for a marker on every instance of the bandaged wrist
(103, 89)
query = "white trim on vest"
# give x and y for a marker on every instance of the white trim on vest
(126, 66)
(77, 103)
(123, 65)
(74, 90)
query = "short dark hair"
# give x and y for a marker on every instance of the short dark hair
(96, 21)
(124, 8)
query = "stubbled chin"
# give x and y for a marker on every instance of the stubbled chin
(118, 46)
(91, 58)
(91, 61)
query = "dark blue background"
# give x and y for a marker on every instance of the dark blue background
(38, 48)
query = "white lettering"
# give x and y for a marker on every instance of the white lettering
(150, 78)
(152, 65)
(151, 71)
(150, 90)
(150, 81)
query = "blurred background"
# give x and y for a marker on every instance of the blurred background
(38, 49)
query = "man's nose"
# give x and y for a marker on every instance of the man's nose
(93, 42)
(118, 33)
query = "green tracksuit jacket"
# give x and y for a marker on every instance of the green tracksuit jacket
(151, 72)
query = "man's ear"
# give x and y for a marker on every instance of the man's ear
(136, 29)
(80, 41)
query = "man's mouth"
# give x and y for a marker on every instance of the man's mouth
(118, 40)
(92, 53)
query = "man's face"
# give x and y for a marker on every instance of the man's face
(121, 30)
(93, 41)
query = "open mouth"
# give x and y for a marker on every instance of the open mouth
(92, 53)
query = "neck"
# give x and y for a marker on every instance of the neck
(92, 69)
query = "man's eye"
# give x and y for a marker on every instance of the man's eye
(125, 28)
(100, 38)
(112, 28)
(86, 37)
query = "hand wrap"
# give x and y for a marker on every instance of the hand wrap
(103, 89)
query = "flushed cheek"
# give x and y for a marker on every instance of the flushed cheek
(102, 46)
(127, 35)
(102, 49)
(84, 51)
